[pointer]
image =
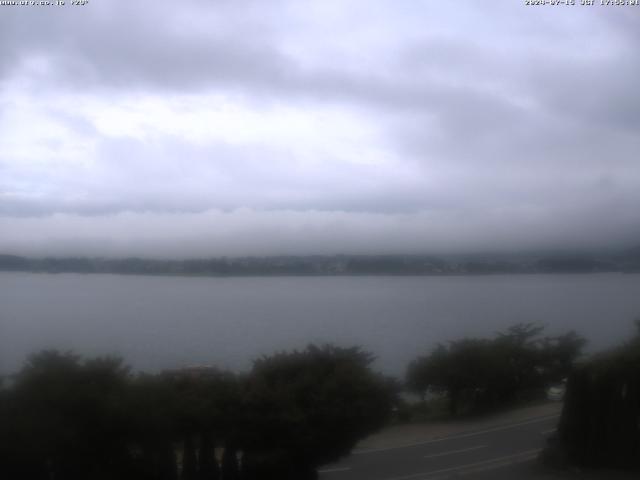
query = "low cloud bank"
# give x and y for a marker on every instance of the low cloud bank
(255, 232)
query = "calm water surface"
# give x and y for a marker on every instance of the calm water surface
(161, 322)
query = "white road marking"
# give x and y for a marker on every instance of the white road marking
(477, 466)
(451, 452)
(456, 437)
(547, 432)
(334, 470)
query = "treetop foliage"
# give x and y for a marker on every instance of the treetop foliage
(67, 417)
(479, 373)
(599, 423)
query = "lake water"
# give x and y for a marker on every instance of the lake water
(164, 322)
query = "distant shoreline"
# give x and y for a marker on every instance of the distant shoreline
(346, 275)
(333, 266)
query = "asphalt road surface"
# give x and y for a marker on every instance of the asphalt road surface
(493, 452)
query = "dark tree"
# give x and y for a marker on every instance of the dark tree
(207, 464)
(66, 418)
(310, 407)
(480, 374)
(599, 423)
(230, 468)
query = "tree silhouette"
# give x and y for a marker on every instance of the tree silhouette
(599, 422)
(68, 418)
(310, 407)
(481, 374)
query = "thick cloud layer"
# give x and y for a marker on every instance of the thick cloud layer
(231, 128)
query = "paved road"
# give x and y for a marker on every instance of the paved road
(493, 451)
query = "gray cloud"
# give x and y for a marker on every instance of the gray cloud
(456, 123)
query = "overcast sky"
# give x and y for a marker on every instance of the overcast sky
(220, 127)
